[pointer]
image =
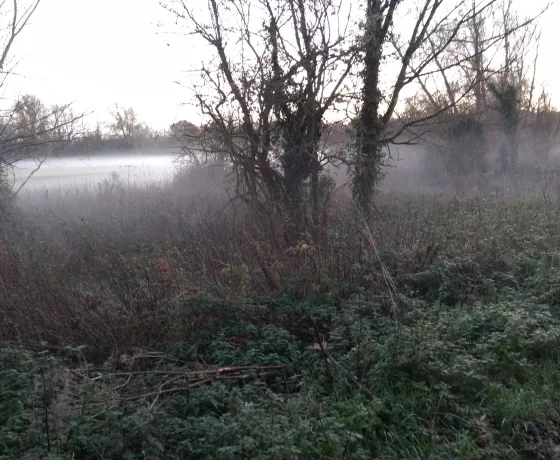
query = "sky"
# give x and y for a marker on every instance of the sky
(98, 53)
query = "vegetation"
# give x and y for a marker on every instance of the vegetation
(507, 107)
(465, 152)
(250, 308)
(267, 109)
(434, 335)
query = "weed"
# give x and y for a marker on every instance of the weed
(440, 341)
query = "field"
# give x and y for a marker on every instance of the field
(161, 323)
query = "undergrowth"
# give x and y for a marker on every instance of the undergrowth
(440, 342)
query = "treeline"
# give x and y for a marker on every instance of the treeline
(127, 133)
(57, 131)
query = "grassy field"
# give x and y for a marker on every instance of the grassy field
(154, 324)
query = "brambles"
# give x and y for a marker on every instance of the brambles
(439, 340)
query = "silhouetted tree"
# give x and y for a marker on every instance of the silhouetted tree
(445, 48)
(125, 124)
(507, 107)
(281, 66)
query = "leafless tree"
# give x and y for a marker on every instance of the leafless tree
(125, 123)
(28, 129)
(18, 15)
(279, 66)
(444, 39)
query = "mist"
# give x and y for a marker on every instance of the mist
(334, 235)
(134, 169)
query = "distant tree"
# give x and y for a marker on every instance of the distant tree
(28, 129)
(184, 128)
(466, 147)
(507, 107)
(30, 120)
(545, 127)
(67, 127)
(97, 135)
(126, 126)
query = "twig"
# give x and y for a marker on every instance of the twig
(154, 393)
(24, 182)
(319, 418)
(124, 384)
(241, 377)
(161, 389)
(31, 345)
(202, 371)
(190, 386)
(386, 275)
(91, 417)
(201, 382)
(155, 355)
(364, 390)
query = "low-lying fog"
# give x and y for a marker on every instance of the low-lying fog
(138, 169)
(407, 173)
(131, 169)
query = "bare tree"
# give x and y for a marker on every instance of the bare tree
(279, 66)
(19, 15)
(125, 124)
(28, 129)
(444, 39)
(67, 125)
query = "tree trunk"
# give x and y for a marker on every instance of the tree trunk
(512, 151)
(478, 61)
(367, 172)
(315, 204)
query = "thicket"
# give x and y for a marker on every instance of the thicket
(433, 334)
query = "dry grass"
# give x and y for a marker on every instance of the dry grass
(108, 266)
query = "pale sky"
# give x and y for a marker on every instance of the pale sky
(96, 53)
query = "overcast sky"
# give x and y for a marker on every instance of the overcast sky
(96, 53)
(101, 52)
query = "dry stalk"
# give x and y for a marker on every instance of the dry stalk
(391, 287)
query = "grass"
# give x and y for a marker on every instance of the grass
(435, 336)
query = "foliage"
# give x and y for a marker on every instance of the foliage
(457, 357)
